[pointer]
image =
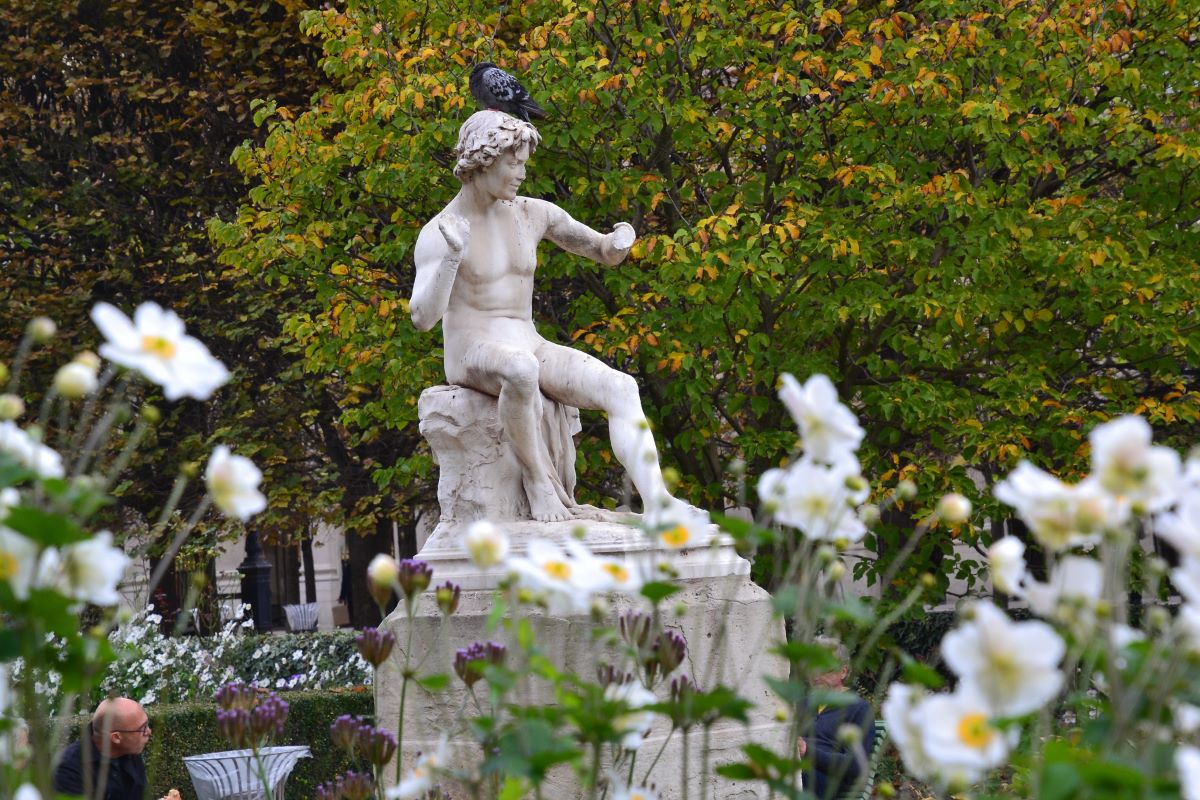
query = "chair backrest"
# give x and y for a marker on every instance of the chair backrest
(873, 764)
(302, 616)
(234, 774)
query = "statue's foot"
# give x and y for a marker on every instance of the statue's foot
(585, 511)
(546, 507)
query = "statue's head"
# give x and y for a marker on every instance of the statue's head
(487, 134)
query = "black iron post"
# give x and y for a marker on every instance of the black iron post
(256, 583)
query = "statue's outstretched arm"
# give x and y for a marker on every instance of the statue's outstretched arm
(438, 254)
(575, 237)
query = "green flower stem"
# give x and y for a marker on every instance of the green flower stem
(89, 406)
(97, 434)
(131, 446)
(658, 755)
(176, 543)
(405, 677)
(18, 363)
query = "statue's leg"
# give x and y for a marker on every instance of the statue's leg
(511, 375)
(577, 379)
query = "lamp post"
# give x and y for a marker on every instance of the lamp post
(256, 583)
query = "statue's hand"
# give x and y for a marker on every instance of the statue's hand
(622, 237)
(456, 231)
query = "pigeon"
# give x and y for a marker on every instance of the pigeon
(497, 90)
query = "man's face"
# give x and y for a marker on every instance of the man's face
(503, 177)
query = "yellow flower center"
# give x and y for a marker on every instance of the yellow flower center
(558, 570)
(8, 566)
(159, 346)
(676, 537)
(974, 731)
(619, 573)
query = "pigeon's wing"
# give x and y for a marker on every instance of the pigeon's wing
(504, 87)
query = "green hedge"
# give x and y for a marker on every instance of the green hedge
(190, 729)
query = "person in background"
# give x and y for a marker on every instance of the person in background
(117, 735)
(835, 763)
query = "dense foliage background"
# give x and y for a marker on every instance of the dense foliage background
(979, 218)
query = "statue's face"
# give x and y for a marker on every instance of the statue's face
(503, 177)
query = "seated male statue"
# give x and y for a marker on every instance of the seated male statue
(475, 264)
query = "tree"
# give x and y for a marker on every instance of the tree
(118, 120)
(979, 218)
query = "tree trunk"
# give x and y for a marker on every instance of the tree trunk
(364, 612)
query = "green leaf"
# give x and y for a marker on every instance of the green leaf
(434, 683)
(657, 591)
(44, 527)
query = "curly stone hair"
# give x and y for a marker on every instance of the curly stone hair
(487, 134)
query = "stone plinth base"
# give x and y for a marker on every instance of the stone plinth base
(727, 624)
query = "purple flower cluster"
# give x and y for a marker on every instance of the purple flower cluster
(470, 661)
(375, 645)
(669, 651)
(351, 786)
(247, 718)
(664, 652)
(414, 577)
(357, 736)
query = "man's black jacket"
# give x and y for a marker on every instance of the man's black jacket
(126, 775)
(834, 768)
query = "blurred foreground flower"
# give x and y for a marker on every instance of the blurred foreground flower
(486, 544)
(89, 570)
(233, 484)
(29, 452)
(18, 562)
(569, 580)
(829, 430)
(419, 779)
(154, 344)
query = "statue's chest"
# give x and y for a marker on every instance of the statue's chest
(497, 251)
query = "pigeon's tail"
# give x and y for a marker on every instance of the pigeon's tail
(530, 108)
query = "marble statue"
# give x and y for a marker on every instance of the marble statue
(475, 272)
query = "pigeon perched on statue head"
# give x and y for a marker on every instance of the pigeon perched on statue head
(494, 88)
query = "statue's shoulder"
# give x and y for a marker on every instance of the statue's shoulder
(540, 211)
(430, 241)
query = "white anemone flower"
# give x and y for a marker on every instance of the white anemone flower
(1006, 562)
(623, 576)
(1181, 528)
(1013, 665)
(486, 544)
(419, 780)
(828, 429)
(1187, 626)
(897, 710)
(1071, 595)
(635, 793)
(635, 723)
(89, 570)
(9, 497)
(820, 500)
(233, 484)
(27, 791)
(676, 525)
(1187, 764)
(958, 737)
(1130, 468)
(1059, 515)
(154, 344)
(30, 453)
(18, 562)
(1186, 578)
(569, 580)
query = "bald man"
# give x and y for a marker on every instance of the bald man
(120, 730)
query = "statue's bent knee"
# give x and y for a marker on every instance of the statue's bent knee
(520, 373)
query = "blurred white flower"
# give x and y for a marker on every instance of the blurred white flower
(819, 500)
(382, 571)
(623, 576)
(897, 710)
(1006, 562)
(635, 793)
(1187, 764)
(958, 737)
(1187, 626)
(154, 344)
(18, 562)
(675, 524)
(27, 791)
(1186, 578)
(89, 570)
(9, 497)
(1185, 716)
(1075, 587)
(233, 484)
(486, 544)
(1181, 528)
(1130, 468)
(634, 724)
(75, 380)
(1013, 665)
(29, 452)
(419, 779)
(569, 579)
(828, 429)
(1059, 515)
(954, 508)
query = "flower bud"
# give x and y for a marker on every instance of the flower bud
(413, 576)
(836, 570)
(375, 645)
(382, 576)
(599, 609)
(849, 734)
(954, 508)
(11, 406)
(150, 414)
(447, 596)
(669, 651)
(869, 514)
(88, 359)
(41, 329)
(856, 483)
(486, 544)
(356, 786)
(906, 490)
(344, 732)
(74, 381)
(928, 581)
(377, 745)
(3, 372)
(826, 555)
